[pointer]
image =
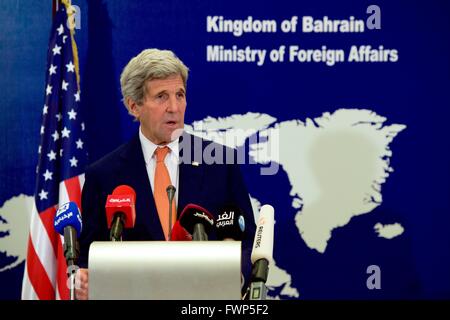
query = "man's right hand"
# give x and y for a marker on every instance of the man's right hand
(81, 281)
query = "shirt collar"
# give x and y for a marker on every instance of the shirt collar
(148, 147)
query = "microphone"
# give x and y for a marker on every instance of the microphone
(230, 224)
(197, 221)
(170, 194)
(120, 211)
(262, 253)
(68, 223)
(179, 233)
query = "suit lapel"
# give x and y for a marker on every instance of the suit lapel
(190, 182)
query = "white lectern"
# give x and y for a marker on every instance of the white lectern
(165, 270)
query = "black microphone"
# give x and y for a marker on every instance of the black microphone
(170, 195)
(68, 222)
(197, 221)
(230, 224)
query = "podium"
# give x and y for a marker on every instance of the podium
(165, 270)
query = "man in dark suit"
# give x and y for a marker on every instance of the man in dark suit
(154, 91)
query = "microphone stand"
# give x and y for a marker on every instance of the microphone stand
(199, 233)
(258, 288)
(170, 195)
(71, 253)
(72, 286)
(117, 227)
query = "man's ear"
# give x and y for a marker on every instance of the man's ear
(133, 107)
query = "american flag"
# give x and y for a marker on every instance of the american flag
(60, 170)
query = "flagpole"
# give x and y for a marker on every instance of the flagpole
(55, 7)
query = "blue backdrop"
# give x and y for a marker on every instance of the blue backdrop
(413, 91)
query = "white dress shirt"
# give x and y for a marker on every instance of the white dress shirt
(171, 161)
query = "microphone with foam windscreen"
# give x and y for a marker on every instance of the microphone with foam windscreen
(120, 211)
(197, 221)
(230, 224)
(179, 233)
(262, 253)
(68, 223)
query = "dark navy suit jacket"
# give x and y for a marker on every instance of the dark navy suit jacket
(208, 185)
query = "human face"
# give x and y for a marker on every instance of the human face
(162, 111)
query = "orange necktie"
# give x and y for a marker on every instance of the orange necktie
(162, 181)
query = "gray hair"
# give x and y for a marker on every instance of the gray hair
(148, 65)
